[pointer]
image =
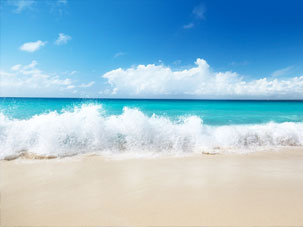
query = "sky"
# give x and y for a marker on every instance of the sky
(205, 49)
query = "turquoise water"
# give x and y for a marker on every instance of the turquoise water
(212, 112)
(64, 127)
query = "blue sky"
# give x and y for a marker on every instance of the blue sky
(158, 49)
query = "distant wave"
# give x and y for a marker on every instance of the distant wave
(87, 129)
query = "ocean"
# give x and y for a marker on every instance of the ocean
(138, 127)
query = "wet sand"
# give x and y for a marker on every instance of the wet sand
(258, 189)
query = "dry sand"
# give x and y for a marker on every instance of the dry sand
(259, 189)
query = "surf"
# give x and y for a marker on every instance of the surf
(89, 129)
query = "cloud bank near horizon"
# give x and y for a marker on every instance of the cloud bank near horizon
(149, 81)
(30, 81)
(200, 81)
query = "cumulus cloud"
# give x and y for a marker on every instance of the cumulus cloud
(62, 39)
(199, 81)
(28, 80)
(32, 46)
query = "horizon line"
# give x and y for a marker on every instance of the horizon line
(164, 99)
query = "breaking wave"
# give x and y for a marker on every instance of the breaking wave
(87, 129)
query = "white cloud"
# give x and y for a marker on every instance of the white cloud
(21, 5)
(87, 85)
(5, 74)
(188, 26)
(62, 39)
(28, 80)
(32, 46)
(282, 72)
(70, 87)
(31, 65)
(198, 82)
(16, 67)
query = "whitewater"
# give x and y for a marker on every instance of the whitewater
(88, 128)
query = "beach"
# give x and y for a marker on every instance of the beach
(253, 189)
(151, 113)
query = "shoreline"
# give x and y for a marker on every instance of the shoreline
(252, 189)
(25, 155)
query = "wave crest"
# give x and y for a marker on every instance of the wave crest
(87, 129)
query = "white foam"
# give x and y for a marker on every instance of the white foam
(88, 130)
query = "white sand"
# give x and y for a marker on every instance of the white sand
(260, 189)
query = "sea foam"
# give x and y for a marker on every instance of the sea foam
(87, 129)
